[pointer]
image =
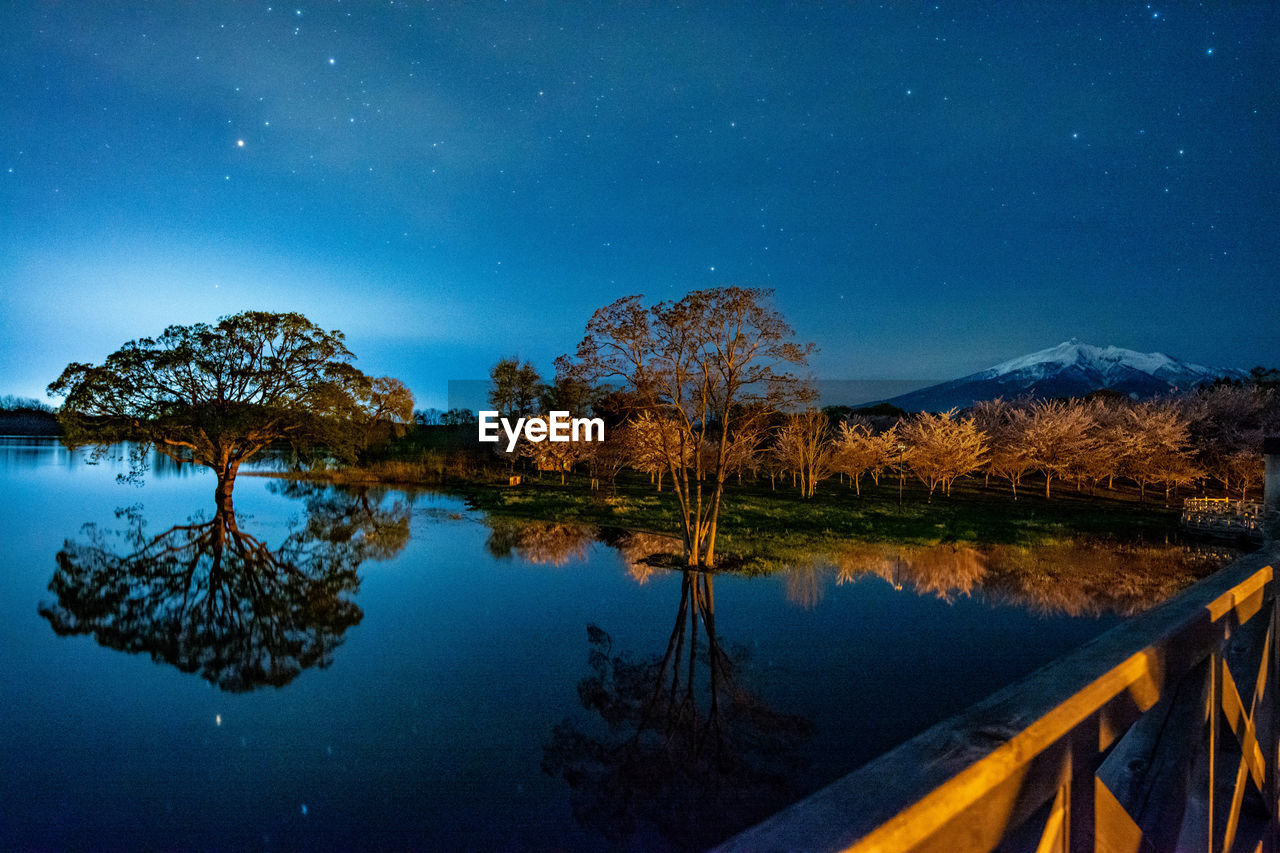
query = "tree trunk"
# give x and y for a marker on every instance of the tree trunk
(222, 491)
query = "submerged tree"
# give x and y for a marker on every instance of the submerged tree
(216, 395)
(707, 365)
(210, 598)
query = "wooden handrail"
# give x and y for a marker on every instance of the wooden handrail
(1120, 745)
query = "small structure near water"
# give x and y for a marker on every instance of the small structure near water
(1222, 518)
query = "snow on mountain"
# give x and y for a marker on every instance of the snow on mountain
(1070, 369)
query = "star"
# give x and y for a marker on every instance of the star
(239, 143)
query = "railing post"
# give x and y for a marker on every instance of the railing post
(1271, 841)
(1271, 487)
(1215, 702)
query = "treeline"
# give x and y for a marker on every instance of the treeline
(1208, 440)
(25, 416)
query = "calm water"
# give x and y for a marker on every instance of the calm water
(339, 670)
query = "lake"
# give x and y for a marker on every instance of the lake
(325, 669)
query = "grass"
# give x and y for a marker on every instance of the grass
(761, 528)
(776, 526)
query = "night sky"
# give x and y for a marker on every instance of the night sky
(930, 189)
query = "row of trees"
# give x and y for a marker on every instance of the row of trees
(698, 390)
(1211, 438)
(695, 391)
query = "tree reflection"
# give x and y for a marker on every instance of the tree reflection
(1072, 578)
(211, 598)
(681, 744)
(542, 543)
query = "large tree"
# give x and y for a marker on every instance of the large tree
(710, 365)
(216, 395)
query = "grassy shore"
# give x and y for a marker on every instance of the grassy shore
(777, 525)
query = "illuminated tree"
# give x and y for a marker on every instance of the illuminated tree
(857, 451)
(710, 362)
(1158, 446)
(801, 447)
(1056, 434)
(1227, 424)
(1008, 456)
(943, 447)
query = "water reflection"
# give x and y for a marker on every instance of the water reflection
(681, 745)
(210, 597)
(1074, 578)
(22, 452)
(543, 543)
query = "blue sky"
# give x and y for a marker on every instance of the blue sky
(930, 188)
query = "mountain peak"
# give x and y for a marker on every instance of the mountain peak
(1072, 368)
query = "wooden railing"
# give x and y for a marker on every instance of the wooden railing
(1223, 517)
(1222, 506)
(1159, 735)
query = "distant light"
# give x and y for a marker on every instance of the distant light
(217, 719)
(304, 808)
(331, 60)
(239, 143)
(1209, 52)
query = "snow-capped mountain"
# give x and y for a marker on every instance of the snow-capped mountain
(1070, 369)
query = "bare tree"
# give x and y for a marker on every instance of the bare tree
(1226, 425)
(856, 451)
(1008, 456)
(605, 459)
(1056, 435)
(654, 440)
(1158, 446)
(802, 447)
(707, 361)
(943, 448)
